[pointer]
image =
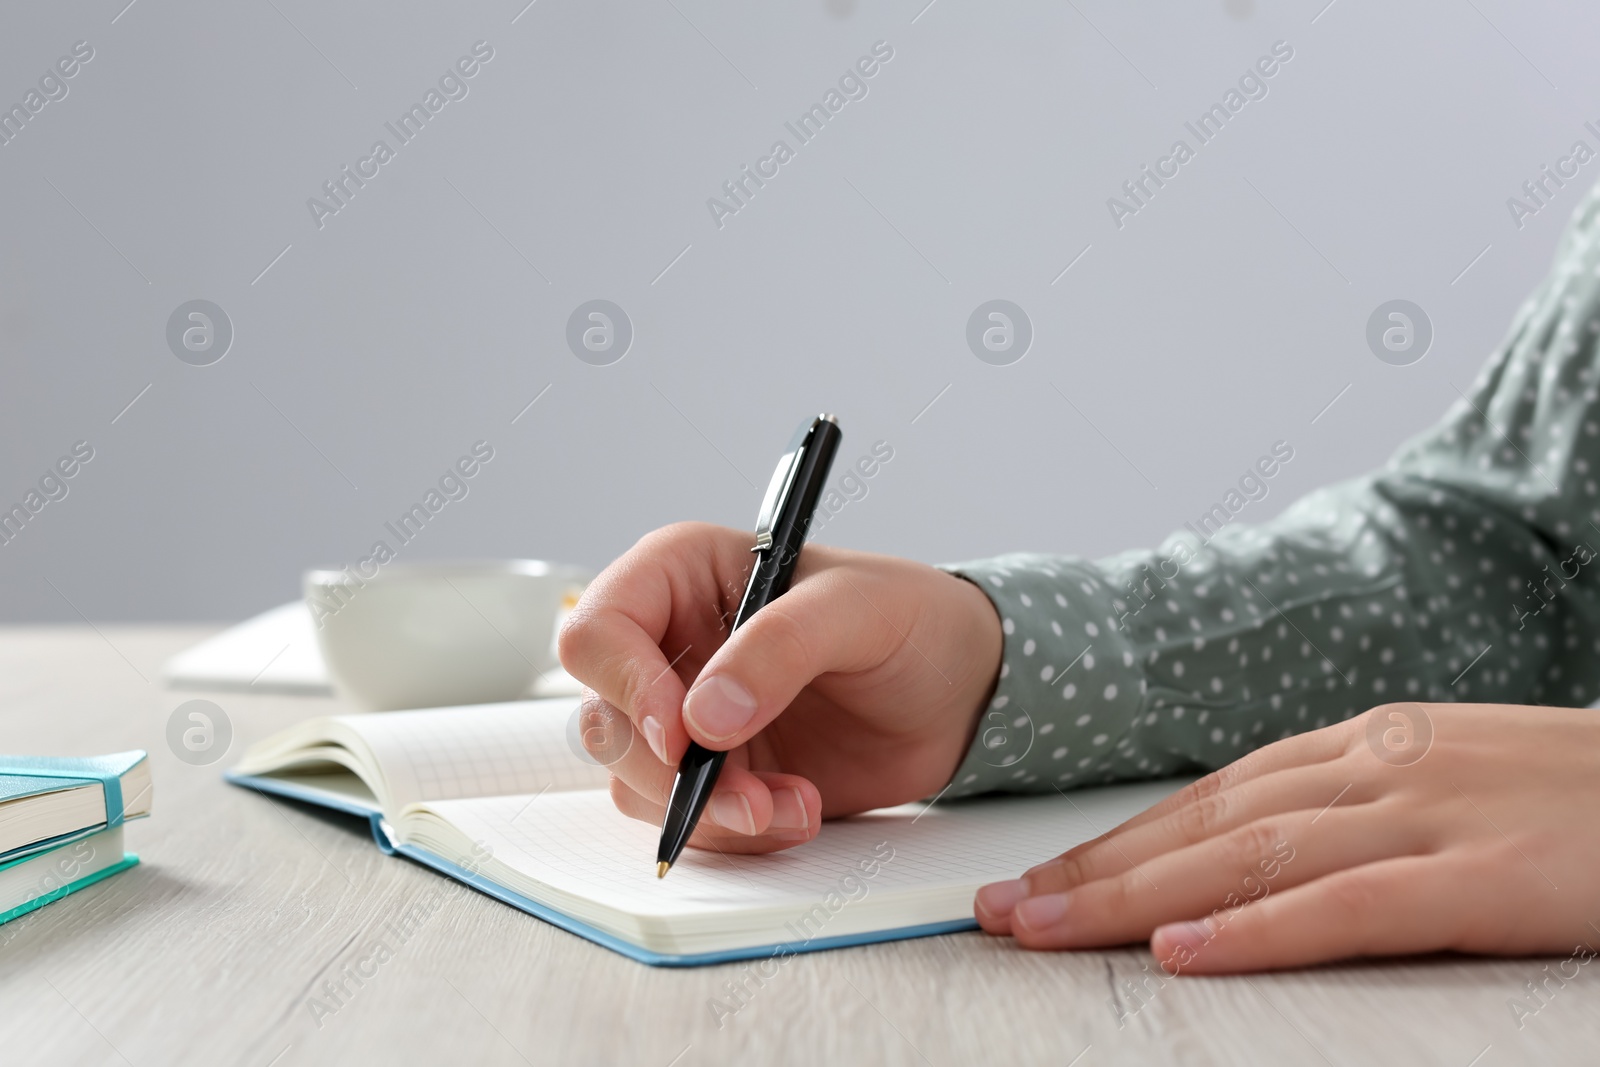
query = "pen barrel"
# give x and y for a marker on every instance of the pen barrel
(775, 566)
(691, 789)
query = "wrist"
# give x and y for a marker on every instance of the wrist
(1067, 699)
(977, 690)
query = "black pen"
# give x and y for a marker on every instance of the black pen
(781, 529)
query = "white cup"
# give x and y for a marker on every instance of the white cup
(425, 635)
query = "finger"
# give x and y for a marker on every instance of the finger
(1213, 878)
(616, 744)
(791, 811)
(622, 663)
(994, 903)
(740, 804)
(611, 641)
(1317, 746)
(818, 627)
(612, 741)
(1398, 906)
(1296, 789)
(796, 803)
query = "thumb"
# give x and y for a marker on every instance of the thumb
(822, 625)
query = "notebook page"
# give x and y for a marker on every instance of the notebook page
(578, 843)
(479, 750)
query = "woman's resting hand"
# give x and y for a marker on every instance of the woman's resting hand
(1410, 828)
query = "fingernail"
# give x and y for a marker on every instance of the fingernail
(789, 810)
(998, 898)
(656, 736)
(1041, 913)
(1173, 936)
(719, 707)
(732, 811)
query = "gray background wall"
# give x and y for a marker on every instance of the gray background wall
(425, 315)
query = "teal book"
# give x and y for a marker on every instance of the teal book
(50, 801)
(61, 824)
(37, 879)
(505, 798)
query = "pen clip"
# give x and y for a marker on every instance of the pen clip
(778, 489)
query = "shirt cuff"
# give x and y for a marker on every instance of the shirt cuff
(1071, 686)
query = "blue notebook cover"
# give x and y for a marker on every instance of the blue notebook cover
(386, 842)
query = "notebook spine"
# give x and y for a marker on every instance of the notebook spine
(384, 835)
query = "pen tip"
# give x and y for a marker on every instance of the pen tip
(662, 868)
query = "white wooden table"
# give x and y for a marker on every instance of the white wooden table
(218, 949)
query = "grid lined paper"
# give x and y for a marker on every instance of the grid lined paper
(479, 751)
(580, 844)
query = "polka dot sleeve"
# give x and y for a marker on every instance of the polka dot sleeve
(1464, 570)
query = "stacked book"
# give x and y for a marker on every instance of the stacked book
(61, 824)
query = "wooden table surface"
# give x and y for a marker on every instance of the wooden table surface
(220, 948)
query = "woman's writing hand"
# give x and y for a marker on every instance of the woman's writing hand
(858, 688)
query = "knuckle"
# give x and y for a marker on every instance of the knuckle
(1398, 711)
(1380, 710)
(675, 536)
(1356, 726)
(1205, 788)
(1076, 869)
(1067, 871)
(1199, 821)
(671, 533)
(1251, 844)
(630, 686)
(1355, 897)
(784, 639)
(577, 634)
(1115, 896)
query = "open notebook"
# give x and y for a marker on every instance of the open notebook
(495, 796)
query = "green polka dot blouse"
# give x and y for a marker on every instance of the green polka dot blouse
(1458, 572)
